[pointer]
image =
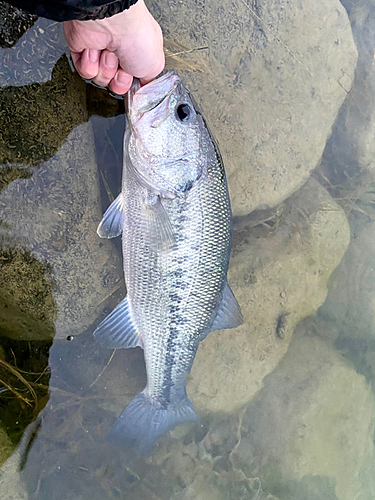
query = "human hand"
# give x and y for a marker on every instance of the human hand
(113, 50)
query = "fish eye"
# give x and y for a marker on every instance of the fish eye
(184, 112)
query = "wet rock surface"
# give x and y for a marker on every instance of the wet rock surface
(6, 447)
(54, 215)
(11, 484)
(27, 306)
(13, 24)
(349, 307)
(33, 57)
(313, 418)
(276, 77)
(279, 269)
(37, 118)
(350, 150)
(50, 193)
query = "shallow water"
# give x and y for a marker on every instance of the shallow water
(286, 401)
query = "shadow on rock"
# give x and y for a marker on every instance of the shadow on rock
(37, 118)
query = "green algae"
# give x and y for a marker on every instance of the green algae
(26, 300)
(14, 23)
(9, 174)
(35, 119)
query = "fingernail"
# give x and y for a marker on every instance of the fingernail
(110, 60)
(94, 56)
(123, 78)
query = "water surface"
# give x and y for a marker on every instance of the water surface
(286, 401)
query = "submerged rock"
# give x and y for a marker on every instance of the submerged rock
(6, 448)
(351, 149)
(11, 484)
(13, 24)
(54, 215)
(279, 272)
(33, 57)
(348, 314)
(275, 77)
(27, 307)
(350, 305)
(313, 420)
(38, 117)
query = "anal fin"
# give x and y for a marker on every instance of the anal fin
(229, 314)
(117, 331)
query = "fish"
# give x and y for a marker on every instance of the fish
(175, 218)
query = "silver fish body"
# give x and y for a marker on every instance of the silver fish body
(174, 213)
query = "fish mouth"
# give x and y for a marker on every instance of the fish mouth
(140, 100)
(130, 94)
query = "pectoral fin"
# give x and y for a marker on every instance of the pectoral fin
(117, 331)
(156, 226)
(229, 313)
(111, 224)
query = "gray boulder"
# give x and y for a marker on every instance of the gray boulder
(273, 80)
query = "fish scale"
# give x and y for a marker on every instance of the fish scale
(174, 213)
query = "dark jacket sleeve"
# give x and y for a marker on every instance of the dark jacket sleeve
(67, 10)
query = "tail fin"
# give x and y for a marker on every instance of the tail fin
(144, 420)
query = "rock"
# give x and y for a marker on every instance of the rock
(11, 485)
(50, 207)
(350, 150)
(347, 169)
(27, 306)
(349, 310)
(350, 305)
(38, 117)
(13, 24)
(313, 422)
(226, 486)
(275, 77)
(6, 447)
(33, 57)
(75, 422)
(202, 488)
(54, 215)
(278, 279)
(221, 438)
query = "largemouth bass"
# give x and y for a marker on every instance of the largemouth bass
(175, 218)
